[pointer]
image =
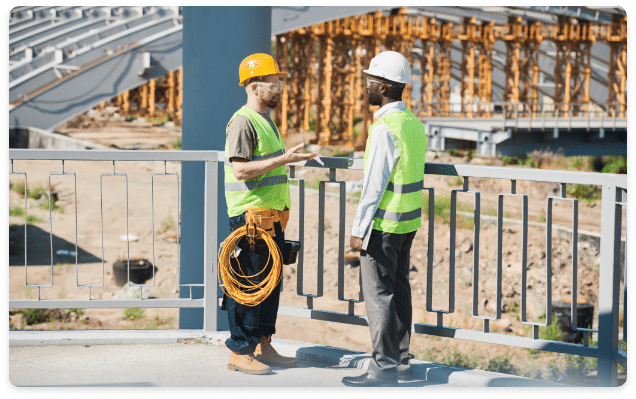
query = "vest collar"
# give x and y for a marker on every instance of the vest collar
(398, 106)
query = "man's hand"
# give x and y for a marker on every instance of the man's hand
(356, 243)
(292, 155)
(244, 169)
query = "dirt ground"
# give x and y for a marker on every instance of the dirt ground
(103, 198)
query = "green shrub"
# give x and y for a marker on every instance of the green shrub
(553, 372)
(455, 358)
(456, 153)
(618, 165)
(501, 364)
(34, 316)
(584, 192)
(514, 160)
(470, 154)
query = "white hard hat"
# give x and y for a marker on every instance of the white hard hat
(390, 65)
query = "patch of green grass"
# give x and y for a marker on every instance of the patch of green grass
(501, 364)
(454, 181)
(18, 188)
(134, 313)
(442, 211)
(17, 211)
(551, 332)
(159, 120)
(427, 355)
(37, 192)
(176, 144)
(50, 203)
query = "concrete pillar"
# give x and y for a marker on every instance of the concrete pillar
(215, 41)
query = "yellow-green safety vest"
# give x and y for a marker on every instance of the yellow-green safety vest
(400, 209)
(267, 191)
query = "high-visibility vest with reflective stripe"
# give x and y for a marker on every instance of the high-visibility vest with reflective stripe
(400, 210)
(267, 191)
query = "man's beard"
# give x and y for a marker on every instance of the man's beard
(375, 99)
(272, 102)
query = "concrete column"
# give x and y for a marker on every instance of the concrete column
(215, 41)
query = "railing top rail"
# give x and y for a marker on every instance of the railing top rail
(113, 155)
(432, 168)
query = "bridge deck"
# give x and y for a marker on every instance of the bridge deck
(187, 358)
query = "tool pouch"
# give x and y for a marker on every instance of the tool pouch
(266, 218)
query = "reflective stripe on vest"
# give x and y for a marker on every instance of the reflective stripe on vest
(398, 217)
(252, 185)
(405, 188)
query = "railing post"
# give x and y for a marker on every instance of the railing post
(210, 246)
(609, 285)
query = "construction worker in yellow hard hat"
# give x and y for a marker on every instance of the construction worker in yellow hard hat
(256, 178)
(388, 216)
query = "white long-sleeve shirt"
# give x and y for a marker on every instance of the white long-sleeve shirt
(384, 151)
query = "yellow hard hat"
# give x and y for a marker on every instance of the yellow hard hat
(259, 64)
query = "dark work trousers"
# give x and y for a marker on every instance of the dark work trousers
(249, 323)
(387, 296)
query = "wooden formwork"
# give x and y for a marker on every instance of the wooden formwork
(329, 59)
(325, 89)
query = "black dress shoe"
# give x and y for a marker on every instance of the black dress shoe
(405, 373)
(368, 380)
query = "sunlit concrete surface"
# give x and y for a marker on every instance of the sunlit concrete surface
(195, 359)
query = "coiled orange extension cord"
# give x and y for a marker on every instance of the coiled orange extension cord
(250, 293)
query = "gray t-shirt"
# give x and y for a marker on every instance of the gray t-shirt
(242, 138)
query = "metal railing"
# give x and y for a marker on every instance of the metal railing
(606, 114)
(614, 199)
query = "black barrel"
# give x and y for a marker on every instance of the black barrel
(141, 270)
(562, 310)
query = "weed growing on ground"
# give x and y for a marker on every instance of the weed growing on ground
(167, 224)
(134, 313)
(54, 207)
(456, 358)
(17, 211)
(176, 144)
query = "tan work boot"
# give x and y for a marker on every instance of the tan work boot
(247, 364)
(266, 353)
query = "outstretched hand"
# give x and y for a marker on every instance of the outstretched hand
(293, 154)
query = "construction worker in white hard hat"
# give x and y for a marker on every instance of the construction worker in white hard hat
(388, 216)
(256, 178)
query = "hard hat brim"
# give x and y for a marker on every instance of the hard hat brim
(279, 74)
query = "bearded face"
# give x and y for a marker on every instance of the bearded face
(375, 98)
(273, 101)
